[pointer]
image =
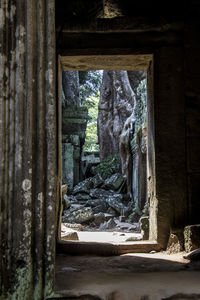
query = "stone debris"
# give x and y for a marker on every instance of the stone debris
(95, 204)
(111, 224)
(83, 186)
(100, 193)
(70, 236)
(114, 182)
(81, 215)
(97, 181)
(77, 227)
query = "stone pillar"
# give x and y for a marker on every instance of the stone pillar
(28, 156)
(74, 122)
(139, 183)
(68, 164)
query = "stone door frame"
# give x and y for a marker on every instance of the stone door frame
(118, 61)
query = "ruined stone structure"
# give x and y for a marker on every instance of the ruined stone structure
(74, 122)
(165, 44)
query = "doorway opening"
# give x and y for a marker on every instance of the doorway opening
(105, 194)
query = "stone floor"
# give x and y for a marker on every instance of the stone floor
(128, 277)
(103, 236)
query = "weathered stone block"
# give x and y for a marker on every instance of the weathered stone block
(144, 224)
(114, 182)
(74, 121)
(68, 164)
(175, 244)
(99, 218)
(192, 237)
(70, 236)
(100, 193)
(83, 186)
(82, 215)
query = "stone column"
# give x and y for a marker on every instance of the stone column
(74, 122)
(28, 156)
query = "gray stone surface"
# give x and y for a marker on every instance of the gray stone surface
(97, 181)
(81, 215)
(115, 203)
(66, 202)
(68, 164)
(83, 186)
(144, 225)
(114, 182)
(99, 218)
(103, 207)
(111, 224)
(95, 202)
(100, 193)
(74, 121)
(82, 196)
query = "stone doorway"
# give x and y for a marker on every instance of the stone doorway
(108, 62)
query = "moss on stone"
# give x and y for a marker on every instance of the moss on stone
(109, 166)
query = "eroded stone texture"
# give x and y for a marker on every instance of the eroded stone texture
(144, 224)
(28, 154)
(70, 85)
(192, 237)
(81, 215)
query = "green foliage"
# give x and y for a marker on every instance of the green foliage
(109, 166)
(91, 131)
(90, 83)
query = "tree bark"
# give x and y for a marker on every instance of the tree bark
(70, 84)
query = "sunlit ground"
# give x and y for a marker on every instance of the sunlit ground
(101, 236)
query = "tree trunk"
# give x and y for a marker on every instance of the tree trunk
(116, 104)
(70, 84)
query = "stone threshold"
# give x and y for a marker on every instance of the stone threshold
(105, 249)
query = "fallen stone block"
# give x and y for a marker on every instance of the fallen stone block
(70, 236)
(114, 182)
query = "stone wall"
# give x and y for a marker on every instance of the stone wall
(192, 100)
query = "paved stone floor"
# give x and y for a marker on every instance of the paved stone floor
(128, 277)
